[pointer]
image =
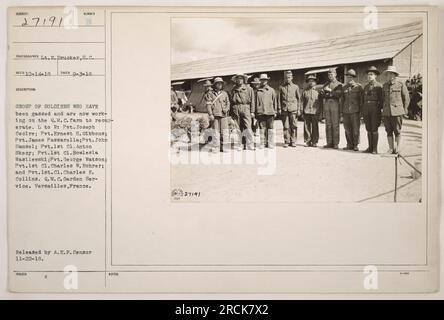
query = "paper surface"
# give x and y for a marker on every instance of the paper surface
(97, 202)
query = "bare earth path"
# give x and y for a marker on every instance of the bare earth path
(309, 174)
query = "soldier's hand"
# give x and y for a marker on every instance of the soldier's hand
(252, 115)
(211, 117)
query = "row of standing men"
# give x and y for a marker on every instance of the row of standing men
(259, 103)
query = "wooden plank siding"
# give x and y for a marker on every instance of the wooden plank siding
(400, 46)
(361, 47)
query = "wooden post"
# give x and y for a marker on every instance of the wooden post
(396, 177)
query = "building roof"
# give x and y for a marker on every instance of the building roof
(365, 46)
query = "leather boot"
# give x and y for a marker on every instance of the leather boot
(375, 137)
(397, 144)
(370, 143)
(390, 143)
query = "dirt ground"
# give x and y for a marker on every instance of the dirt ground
(305, 174)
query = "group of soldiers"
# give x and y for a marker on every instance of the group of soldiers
(257, 104)
(414, 85)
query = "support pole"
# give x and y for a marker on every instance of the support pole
(396, 177)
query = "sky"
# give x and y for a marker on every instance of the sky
(201, 38)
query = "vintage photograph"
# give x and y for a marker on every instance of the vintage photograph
(303, 110)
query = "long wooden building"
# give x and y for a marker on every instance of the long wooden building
(401, 46)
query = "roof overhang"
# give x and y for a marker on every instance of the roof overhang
(319, 70)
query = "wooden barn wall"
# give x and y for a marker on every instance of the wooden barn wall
(409, 61)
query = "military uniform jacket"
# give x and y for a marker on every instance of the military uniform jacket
(396, 98)
(289, 98)
(335, 94)
(373, 96)
(243, 95)
(266, 103)
(352, 99)
(311, 101)
(218, 103)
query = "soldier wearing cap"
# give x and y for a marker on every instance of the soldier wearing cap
(289, 109)
(311, 106)
(371, 109)
(218, 106)
(255, 84)
(332, 96)
(243, 108)
(351, 110)
(266, 108)
(396, 101)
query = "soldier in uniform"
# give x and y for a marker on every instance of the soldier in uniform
(289, 109)
(243, 108)
(218, 106)
(351, 110)
(396, 101)
(311, 106)
(255, 84)
(266, 108)
(332, 94)
(371, 109)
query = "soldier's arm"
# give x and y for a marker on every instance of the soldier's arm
(209, 104)
(274, 99)
(338, 93)
(405, 96)
(303, 102)
(278, 102)
(380, 92)
(253, 102)
(230, 97)
(226, 102)
(299, 100)
(361, 98)
(321, 106)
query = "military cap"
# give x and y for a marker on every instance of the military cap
(207, 83)
(255, 81)
(264, 76)
(392, 69)
(311, 77)
(240, 75)
(351, 73)
(218, 79)
(373, 69)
